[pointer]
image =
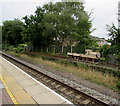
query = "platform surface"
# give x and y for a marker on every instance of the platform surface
(4, 95)
(25, 89)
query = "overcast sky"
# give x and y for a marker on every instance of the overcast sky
(104, 12)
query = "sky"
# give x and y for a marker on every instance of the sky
(104, 12)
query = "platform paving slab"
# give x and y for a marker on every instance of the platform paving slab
(21, 78)
(27, 82)
(48, 98)
(36, 90)
(24, 98)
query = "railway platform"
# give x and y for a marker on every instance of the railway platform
(20, 88)
(4, 96)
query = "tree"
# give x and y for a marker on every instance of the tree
(67, 21)
(49, 31)
(114, 33)
(33, 29)
(104, 50)
(11, 32)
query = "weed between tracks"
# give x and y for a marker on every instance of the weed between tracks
(86, 73)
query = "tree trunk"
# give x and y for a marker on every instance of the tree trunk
(47, 50)
(41, 49)
(62, 48)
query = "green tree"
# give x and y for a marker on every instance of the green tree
(11, 32)
(67, 21)
(50, 31)
(33, 29)
(104, 50)
(114, 33)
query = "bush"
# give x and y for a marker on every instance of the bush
(19, 49)
(104, 51)
(21, 45)
(17, 55)
(11, 48)
(5, 47)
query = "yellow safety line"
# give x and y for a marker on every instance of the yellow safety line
(8, 91)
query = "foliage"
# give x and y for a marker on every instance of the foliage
(33, 29)
(11, 32)
(72, 28)
(56, 26)
(11, 48)
(84, 44)
(118, 85)
(5, 47)
(19, 48)
(104, 50)
(114, 33)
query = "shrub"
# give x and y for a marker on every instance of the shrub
(21, 45)
(17, 55)
(19, 48)
(11, 48)
(5, 47)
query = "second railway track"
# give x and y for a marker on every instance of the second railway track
(70, 93)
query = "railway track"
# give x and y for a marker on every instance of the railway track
(61, 57)
(70, 93)
(75, 60)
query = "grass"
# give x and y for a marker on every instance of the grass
(85, 73)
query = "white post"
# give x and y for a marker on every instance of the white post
(54, 48)
(62, 48)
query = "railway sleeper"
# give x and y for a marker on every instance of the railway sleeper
(63, 89)
(87, 101)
